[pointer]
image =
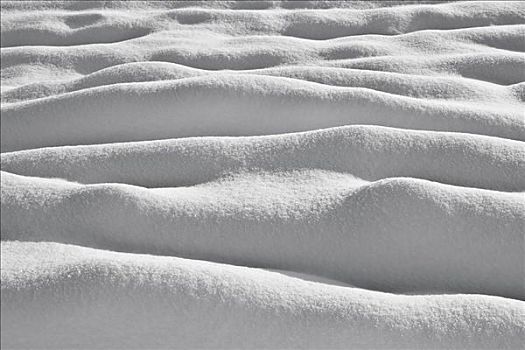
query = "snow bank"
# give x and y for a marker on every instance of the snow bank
(398, 234)
(223, 51)
(368, 152)
(420, 86)
(60, 27)
(234, 105)
(65, 294)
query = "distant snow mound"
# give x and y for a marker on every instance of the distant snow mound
(235, 105)
(368, 152)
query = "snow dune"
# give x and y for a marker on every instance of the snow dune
(420, 86)
(368, 152)
(249, 308)
(233, 106)
(397, 234)
(262, 174)
(59, 27)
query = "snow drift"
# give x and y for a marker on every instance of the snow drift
(144, 301)
(234, 105)
(368, 152)
(402, 235)
(262, 174)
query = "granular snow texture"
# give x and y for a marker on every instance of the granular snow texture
(262, 174)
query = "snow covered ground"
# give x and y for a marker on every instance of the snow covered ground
(262, 174)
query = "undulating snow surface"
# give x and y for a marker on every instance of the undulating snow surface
(262, 174)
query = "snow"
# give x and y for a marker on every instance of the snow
(235, 105)
(368, 152)
(395, 234)
(262, 174)
(143, 301)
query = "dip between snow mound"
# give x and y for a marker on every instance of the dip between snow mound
(262, 174)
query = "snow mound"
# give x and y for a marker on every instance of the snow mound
(420, 86)
(59, 27)
(368, 152)
(234, 105)
(397, 234)
(142, 296)
(498, 68)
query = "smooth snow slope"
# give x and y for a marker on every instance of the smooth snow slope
(144, 301)
(368, 152)
(395, 234)
(302, 174)
(234, 105)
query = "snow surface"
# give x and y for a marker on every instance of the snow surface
(68, 296)
(262, 174)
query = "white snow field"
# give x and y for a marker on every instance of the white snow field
(262, 174)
